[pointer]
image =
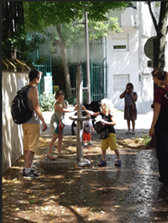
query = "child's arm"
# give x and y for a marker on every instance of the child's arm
(109, 123)
(92, 128)
(91, 112)
(59, 108)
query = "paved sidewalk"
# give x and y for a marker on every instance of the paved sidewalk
(127, 194)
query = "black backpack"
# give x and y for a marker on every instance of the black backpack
(98, 127)
(101, 129)
(20, 110)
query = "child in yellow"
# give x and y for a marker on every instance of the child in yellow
(109, 138)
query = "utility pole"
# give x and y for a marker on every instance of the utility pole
(85, 23)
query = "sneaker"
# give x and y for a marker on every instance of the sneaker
(133, 132)
(91, 144)
(24, 170)
(85, 144)
(32, 174)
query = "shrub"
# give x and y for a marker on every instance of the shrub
(47, 103)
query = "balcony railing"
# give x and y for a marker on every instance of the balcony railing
(129, 18)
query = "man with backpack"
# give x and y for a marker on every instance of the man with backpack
(31, 128)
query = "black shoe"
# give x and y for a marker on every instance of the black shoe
(163, 180)
(31, 174)
(91, 144)
(24, 170)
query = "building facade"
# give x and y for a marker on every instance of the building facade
(126, 59)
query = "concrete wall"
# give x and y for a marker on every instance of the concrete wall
(12, 135)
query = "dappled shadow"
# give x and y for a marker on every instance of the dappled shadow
(130, 193)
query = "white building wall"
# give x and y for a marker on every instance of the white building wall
(120, 63)
(145, 31)
(138, 25)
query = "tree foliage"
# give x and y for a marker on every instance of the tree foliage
(42, 14)
(14, 42)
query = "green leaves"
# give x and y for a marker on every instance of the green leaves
(98, 30)
(42, 14)
(47, 103)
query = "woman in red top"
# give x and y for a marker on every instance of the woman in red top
(159, 126)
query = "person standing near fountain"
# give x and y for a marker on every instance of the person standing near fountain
(108, 135)
(56, 124)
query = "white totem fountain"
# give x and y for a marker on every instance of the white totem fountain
(79, 118)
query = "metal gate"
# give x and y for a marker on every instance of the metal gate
(98, 70)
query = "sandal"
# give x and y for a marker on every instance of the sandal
(62, 156)
(118, 163)
(51, 157)
(102, 163)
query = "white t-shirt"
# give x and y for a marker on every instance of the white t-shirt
(87, 126)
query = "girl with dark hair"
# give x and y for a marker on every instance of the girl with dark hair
(159, 125)
(56, 123)
(130, 111)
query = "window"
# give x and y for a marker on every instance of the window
(119, 47)
(120, 81)
(120, 42)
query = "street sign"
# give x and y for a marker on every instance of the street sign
(148, 48)
(48, 74)
(48, 85)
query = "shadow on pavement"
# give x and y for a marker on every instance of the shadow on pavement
(130, 193)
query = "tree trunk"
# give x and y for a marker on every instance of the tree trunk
(161, 34)
(65, 63)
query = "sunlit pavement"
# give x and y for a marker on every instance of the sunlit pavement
(127, 194)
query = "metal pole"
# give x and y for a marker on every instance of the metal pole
(79, 86)
(79, 90)
(87, 59)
